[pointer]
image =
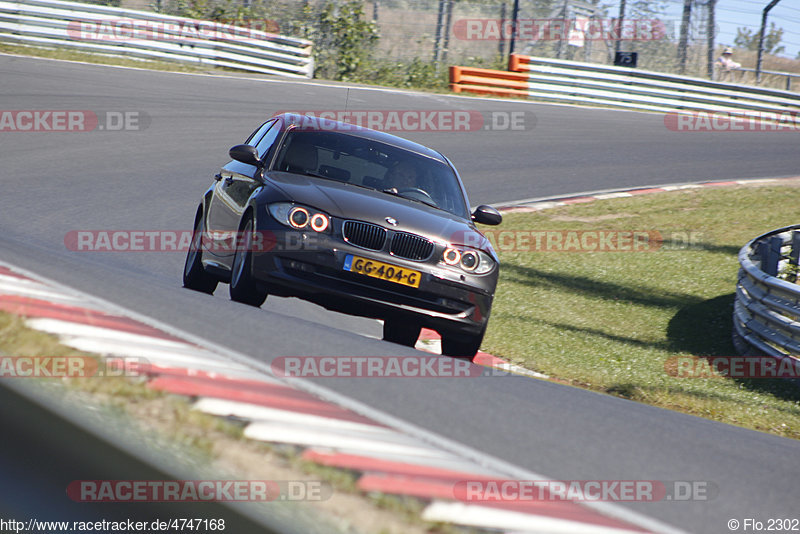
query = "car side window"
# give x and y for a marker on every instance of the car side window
(266, 146)
(256, 136)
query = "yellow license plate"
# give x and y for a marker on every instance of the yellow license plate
(383, 271)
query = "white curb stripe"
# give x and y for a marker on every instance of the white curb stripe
(16, 286)
(197, 360)
(542, 205)
(429, 345)
(453, 463)
(612, 195)
(352, 441)
(212, 369)
(681, 187)
(368, 431)
(758, 181)
(257, 413)
(69, 329)
(517, 370)
(497, 518)
(16, 282)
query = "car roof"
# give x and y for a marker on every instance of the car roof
(314, 124)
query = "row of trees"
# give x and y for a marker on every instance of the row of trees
(748, 39)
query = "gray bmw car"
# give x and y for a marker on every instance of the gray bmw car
(353, 219)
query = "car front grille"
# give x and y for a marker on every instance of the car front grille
(411, 246)
(364, 235)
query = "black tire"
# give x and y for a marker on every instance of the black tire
(461, 345)
(194, 275)
(400, 332)
(243, 287)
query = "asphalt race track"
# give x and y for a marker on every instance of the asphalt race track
(152, 179)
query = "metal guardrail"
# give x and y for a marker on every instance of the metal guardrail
(55, 23)
(553, 80)
(723, 74)
(766, 314)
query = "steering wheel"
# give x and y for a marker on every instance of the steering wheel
(420, 192)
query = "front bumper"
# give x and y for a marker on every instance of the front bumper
(310, 266)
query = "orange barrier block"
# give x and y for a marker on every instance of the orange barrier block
(488, 81)
(515, 62)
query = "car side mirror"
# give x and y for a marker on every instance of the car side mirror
(487, 215)
(246, 154)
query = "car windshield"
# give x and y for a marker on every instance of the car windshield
(374, 165)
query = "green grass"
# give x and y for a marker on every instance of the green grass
(67, 54)
(608, 321)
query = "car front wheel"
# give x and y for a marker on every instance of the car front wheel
(244, 288)
(194, 275)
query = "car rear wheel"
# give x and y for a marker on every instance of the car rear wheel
(244, 288)
(194, 275)
(399, 332)
(461, 345)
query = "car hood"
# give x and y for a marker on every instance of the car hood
(351, 202)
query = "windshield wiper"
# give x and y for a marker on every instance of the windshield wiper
(394, 192)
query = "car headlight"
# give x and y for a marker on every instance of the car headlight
(300, 217)
(468, 259)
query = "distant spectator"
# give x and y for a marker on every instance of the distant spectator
(726, 64)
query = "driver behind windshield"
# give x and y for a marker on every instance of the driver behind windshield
(403, 175)
(300, 158)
